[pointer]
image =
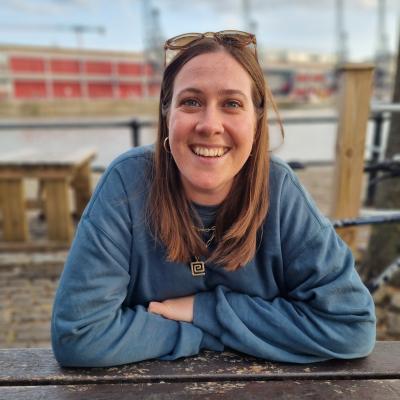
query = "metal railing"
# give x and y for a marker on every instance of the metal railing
(379, 113)
(394, 267)
(135, 126)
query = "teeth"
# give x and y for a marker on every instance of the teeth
(206, 152)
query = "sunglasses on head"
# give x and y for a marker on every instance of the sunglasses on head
(230, 37)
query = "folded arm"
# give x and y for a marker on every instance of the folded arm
(92, 327)
(327, 313)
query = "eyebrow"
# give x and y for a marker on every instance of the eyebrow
(220, 92)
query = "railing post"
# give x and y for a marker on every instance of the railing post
(371, 189)
(135, 129)
(355, 87)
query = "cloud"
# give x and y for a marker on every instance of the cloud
(204, 5)
(231, 20)
(46, 7)
(391, 5)
(271, 5)
(221, 6)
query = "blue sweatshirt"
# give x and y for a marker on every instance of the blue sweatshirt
(299, 300)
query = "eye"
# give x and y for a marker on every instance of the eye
(233, 104)
(190, 102)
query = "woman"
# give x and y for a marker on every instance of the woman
(205, 242)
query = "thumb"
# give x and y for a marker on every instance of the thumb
(156, 307)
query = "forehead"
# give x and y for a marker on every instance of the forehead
(217, 70)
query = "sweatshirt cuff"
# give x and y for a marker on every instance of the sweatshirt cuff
(205, 313)
(188, 342)
(210, 342)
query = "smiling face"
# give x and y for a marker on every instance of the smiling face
(211, 124)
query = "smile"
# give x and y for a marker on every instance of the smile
(209, 152)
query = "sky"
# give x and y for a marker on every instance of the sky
(300, 25)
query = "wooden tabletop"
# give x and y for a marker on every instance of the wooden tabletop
(32, 157)
(34, 374)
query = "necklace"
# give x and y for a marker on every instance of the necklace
(198, 267)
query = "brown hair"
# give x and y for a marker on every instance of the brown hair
(243, 211)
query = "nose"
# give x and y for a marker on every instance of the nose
(210, 121)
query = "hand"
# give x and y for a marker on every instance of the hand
(179, 309)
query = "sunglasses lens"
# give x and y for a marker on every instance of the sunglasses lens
(237, 37)
(183, 40)
(170, 55)
(238, 34)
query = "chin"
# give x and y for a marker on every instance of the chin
(207, 185)
(212, 189)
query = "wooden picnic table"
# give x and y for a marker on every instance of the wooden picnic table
(56, 172)
(34, 374)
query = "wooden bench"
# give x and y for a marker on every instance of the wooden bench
(56, 173)
(34, 374)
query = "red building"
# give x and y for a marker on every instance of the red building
(54, 73)
(300, 76)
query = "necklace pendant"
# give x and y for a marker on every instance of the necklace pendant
(198, 268)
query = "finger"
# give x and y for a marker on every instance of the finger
(155, 307)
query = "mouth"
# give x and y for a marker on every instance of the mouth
(209, 152)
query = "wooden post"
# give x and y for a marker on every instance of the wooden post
(355, 87)
(15, 225)
(58, 210)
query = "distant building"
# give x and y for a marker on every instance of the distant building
(299, 76)
(49, 73)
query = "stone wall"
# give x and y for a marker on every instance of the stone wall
(27, 286)
(387, 302)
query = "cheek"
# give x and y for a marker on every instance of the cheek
(179, 127)
(246, 133)
(177, 137)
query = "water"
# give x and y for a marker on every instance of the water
(302, 142)
(316, 142)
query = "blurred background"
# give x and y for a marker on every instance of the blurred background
(84, 75)
(93, 58)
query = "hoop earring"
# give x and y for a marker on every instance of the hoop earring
(165, 145)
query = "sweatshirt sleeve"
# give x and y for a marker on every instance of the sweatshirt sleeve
(91, 325)
(325, 311)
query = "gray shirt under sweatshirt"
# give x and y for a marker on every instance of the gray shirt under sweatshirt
(299, 300)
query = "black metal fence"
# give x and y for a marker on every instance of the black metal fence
(379, 114)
